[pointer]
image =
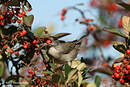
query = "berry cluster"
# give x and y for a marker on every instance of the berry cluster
(11, 14)
(122, 72)
(36, 81)
(64, 10)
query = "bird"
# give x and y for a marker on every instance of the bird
(63, 52)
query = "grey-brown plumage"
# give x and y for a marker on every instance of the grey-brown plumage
(63, 52)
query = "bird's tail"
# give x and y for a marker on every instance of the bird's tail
(80, 40)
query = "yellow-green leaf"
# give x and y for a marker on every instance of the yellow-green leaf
(1, 68)
(28, 20)
(80, 78)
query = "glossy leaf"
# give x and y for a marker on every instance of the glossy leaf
(67, 70)
(115, 31)
(59, 35)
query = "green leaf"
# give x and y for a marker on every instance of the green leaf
(115, 31)
(3, 9)
(28, 20)
(55, 78)
(14, 3)
(124, 5)
(40, 32)
(98, 81)
(47, 72)
(53, 66)
(67, 70)
(59, 35)
(1, 68)
(120, 46)
(71, 74)
(13, 77)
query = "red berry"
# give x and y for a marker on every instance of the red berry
(23, 13)
(45, 82)
(48, 42)
(128, 52)
(117, 71)
(117, 76)
(3, 13)
(89, 20)
(19, 21)
(34, 42)
(128, 67)
(91, 28)
(124, 61)
(1, 17)
(13, 21)
(11, 50)
(25, 46)
(5, 47)
(114, 65)
(117, 67)
(24, 32)
(106, 43)
(11, 12)
(29, 9)
(32, 86)
(62, 17)
(2, 24)
(29, 71)
(21, 33)
(20, 15)
(64, 9)
(112, 76)
(38, 80)
(16, 53)
(122, 81)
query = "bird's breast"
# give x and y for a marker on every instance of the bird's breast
(53, 52)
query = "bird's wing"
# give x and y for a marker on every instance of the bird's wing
(65, 48)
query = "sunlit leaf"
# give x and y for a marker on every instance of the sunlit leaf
(81, 66)
(80, 78)
(71, 74)
(92, 84)
(75, 63)
(126, 24)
